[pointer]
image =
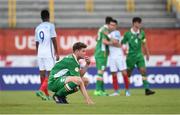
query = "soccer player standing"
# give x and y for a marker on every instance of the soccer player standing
(136, 40)
(66, 77)
(101, 55)
(47, 51)
(117, 60)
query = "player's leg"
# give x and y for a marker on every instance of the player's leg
(42, 72)
(100, 65)
(123, 68)
(49, 63)
(114, 69)
(64, 86)
(126, 82)
(142, 69)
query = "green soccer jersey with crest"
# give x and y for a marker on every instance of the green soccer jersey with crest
(134, 41)
(68, 66)
(100, 47)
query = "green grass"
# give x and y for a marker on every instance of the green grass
(165, 101)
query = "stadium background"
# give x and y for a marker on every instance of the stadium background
(79, 20)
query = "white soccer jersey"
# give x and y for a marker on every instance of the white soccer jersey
(43, 34)
(115, 51)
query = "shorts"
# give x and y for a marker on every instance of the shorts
(46, 63)
(54, 84)
(135, 61)
(117, 63)
(101, 61)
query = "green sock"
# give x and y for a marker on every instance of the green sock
(99, 83)
(145, 83)
(103, 86)
(68, 88)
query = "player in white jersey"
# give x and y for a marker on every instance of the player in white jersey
(117, 60)
(47, 51)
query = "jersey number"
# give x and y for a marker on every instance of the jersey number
(41, 35)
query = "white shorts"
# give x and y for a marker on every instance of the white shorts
(117, 63)
(46, 63)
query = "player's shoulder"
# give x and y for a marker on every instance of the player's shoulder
(127, 32)
(142, 31)
(103, 28)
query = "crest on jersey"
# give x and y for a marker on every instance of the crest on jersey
(77, 69)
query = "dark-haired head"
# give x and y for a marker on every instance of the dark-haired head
(108, 19)
(78, 46)
(45, 15)
(136, 19)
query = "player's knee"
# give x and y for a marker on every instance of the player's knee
(86, 81)
(78, 80)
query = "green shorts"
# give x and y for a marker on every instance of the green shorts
(101, 61)
(54, 84)
(135, 61)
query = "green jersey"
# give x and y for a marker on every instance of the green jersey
(134, 41)
(68, 66)
(100, 47)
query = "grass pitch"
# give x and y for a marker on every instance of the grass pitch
(165, 101)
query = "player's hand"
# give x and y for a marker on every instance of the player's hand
(147, 57)
(106, 33)
(89, 102)
(87, 60)
(57, 57)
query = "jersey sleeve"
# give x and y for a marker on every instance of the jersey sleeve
(143, 37)
(116, 35)
(125, 38)
(52, 31)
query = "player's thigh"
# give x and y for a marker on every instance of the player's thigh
(41, 64)
(140, 62)
(75, 79)
(113, 64)
(121, 63)
(101, 63)
(130, 62)
(57, 84)
(49, 63)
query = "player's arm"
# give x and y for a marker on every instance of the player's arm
(145, 48)
(83, 70)
(115, 37)
(37, 45)
(37, 42)
(53, 37)
(55, 47)
(125, 38)
(85, 94)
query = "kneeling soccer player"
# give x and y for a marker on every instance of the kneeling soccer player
(66, 77)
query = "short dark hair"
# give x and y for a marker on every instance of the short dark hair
(44, 14)
(136, 19)
(108, 19)
(79, 46)
(115, 21)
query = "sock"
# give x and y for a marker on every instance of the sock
(145, 83)
(68, 88)
(126, 81)
(44, 86)
(99, 83)
(42, 80)
(115, 82)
